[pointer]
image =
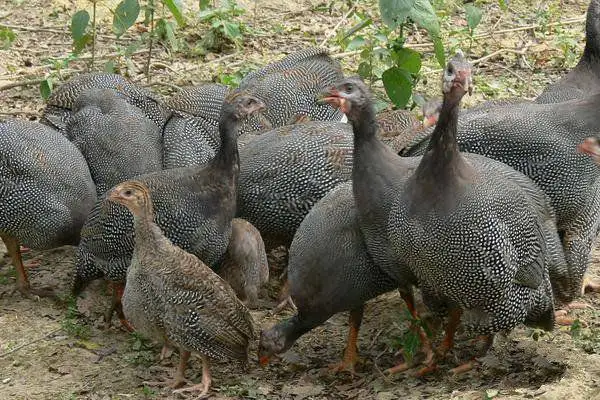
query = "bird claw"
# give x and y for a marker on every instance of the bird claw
(199, 387)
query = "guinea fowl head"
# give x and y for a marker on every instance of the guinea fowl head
(351, 96)
(274, 341)
(457, 79)
(134, 195)
(591, 147)
(241, 104)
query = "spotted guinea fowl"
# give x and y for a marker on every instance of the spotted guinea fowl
(245, 265)
(46, 191)
(191, 135)
(329, 271)
(194, 207)
(59, 106)
(289, 88)
(540, 140)
(377, 175)
(172, 295)
(584, 79)
(471, 230)
(116, 138)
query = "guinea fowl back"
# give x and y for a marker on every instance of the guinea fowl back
(116, 138)
(60, 103)
(191, 135)
(46, 189)
(284, 172)
(194, 207)
(584, 79)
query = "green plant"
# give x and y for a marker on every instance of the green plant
(384, 55)
(223, 28)
(7, 37)
(410, 340)
(71, 324)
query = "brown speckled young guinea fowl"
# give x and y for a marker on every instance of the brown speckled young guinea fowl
(172, 295)
(245, 266)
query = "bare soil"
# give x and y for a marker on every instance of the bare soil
(53, 350)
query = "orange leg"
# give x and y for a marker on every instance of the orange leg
(116, 306)
(179, 379)
(12, 246)
(350, 358)
(473, 363)
(206, 380)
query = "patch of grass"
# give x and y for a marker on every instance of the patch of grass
(143, 350)
(72, 325)
(587, 338)
(148, 392)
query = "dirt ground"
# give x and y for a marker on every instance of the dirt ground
(58, 350)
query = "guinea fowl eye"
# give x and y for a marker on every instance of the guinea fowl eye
(349, 87)
(128, 192)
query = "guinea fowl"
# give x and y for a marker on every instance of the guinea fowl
(471, 231)
(584, 79)
(172, 295)
(397, 128)
(377, 175)
(194, 207)
(191, 135)
(245, 265)
(46, 191)
(540, 141)
(329, 271)
(289, 88)
(59, 106)
(116, 138)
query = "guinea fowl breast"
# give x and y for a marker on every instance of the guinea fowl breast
(584, 79)
(116, 138)
(46, 190)
(59, 106)
(172, 295)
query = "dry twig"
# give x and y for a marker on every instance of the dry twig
(19, 347)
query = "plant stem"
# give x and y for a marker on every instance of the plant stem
(151, 5)
(93, 34)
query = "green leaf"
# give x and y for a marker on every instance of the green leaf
(125, 16)
(361, 25)
(356, 43)
(502, 4)
(176, 11)
(364, 70)
(438, 48)
(204, 4)
(232, 30)
(7, 37)
(407, 59)
(46, 88)
(424, 15)
(394, 12)
(109, 67)
(166, 31)
(474, 15)
(79, 24)
(398, 85)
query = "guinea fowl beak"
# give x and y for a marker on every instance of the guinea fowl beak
(463, 78)
(335, 98)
